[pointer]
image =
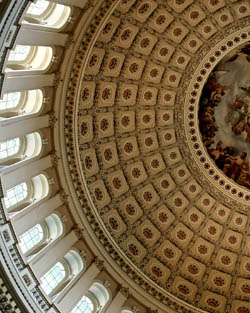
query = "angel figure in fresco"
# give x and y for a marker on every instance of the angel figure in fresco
(215, 153)
(244, 178)
(237, 104)
(239, 127)
(235, 165)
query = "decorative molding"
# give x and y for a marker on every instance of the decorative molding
(52, 120)
(107, 283)
(54, 158)
(64, 196)
(124, 291)
(80, 233)
(99, 264)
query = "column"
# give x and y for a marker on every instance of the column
(10, 129)
(74, 295)
(36, 213)
(118, 301)
(33, 37)
(42, 265)
(26, 82)
(76, 3)
(11, 177)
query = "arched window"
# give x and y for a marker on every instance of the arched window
(53, 278)
(85, 305)
(33, 145)
(47, 14)
(29, 58)
(55, 226)
(40, 186)
(95, 300)
(20, 53)
(19, 103)
(40, 235)
(10, 101)
(18, 149)
(21, 195)
(101, 293)
(58, 16)
(38, 8)
(16, 195)
(75, 261)
(33, 101)
(31, 238)
(9, 148)
(57, 278)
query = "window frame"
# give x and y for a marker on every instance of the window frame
(43, 55)
(28, 59)
(44, 14)
(98, 305)
(20, 152)
(30, 191)
(60, 286)
(24, 107)
(21, 102)
(49, 238)
(91, 300)
(43, 241)
(31, 194)
(70, 276)
(23, 153)
(42, 19)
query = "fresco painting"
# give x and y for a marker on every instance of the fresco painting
(224, 115)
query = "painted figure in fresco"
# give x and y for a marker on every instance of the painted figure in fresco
(235, 164)
(238, 103)
(239, 127)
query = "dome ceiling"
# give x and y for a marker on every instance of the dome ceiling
(156, 200)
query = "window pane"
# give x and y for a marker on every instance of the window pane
(9, 147)
(31, 238)
(20, 53)
(53, 278)
(38, 7)
(10, 100)
(16, 194)
(85, 305)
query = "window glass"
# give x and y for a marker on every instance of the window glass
(53, 278)
(38, 7)
(16, 194)
(85, 305)
(20, 53)
(10, 100)
(58, 16)
(9, 147)
(31, 238)
(100, 292)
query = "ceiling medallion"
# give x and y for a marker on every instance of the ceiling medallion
(219, 109)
